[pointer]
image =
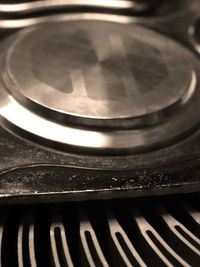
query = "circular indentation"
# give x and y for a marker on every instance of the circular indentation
(135, 88)
(93, 72)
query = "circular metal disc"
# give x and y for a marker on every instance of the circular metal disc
(84, 77)
(97, 71)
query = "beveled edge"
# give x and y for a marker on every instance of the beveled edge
(41, 130)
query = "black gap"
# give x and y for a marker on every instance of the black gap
(25, 243)
(59, 247)
(126, 221)
(10, 234)
(92, 249)
(157, 222)
(193, 200)
(164, 251)
(177, 245)
(187, 237)
(126, 250)
(99, 223)
(130, 227)
(175, 208)
(42, 236)
(72, 228)
(152, 214)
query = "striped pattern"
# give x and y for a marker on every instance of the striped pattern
(159, 231)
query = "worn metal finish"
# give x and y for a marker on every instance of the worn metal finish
(102, 86)
(32, 170)
(107, 70)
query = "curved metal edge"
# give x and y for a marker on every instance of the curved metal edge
(59, 183)
(136, 6)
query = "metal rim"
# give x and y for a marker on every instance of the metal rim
(131, 140)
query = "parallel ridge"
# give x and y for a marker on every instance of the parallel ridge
(159, 231)
(22, 7)
(19, 14)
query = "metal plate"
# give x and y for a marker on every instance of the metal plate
(103, 86)
(36, 173)
(99, 70)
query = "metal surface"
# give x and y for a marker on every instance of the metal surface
(107, 70)
(137, 86)
(194, 32)
(33, 6)
(33, 171)
(162, 231)
(169, 11)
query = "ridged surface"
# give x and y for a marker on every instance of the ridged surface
(159, 231)
(21, 7)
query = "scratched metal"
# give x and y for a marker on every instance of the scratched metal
(103, 86)
(34, 171)
(107, 70)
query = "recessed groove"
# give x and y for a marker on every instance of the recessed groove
(178, 211)
(186, 214)
(145, 229)
(10, 233)
(192, 239)
(59, 244)
(153, 216)
(165, 252)
(173, 224)
(25, 241)
(98, 221)
(124, 246)
(42, 239)
(92, 249)
(71, 224)
(132, 232)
